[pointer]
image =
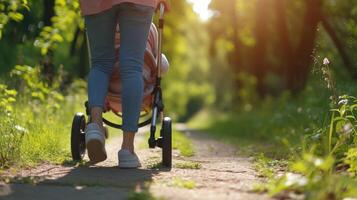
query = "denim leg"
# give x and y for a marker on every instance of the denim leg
(101, 32)
(134, 23)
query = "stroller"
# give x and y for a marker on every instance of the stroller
(152, 108)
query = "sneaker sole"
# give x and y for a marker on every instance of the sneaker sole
(96, 153)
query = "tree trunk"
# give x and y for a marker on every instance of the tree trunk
(74, 43)
(83, 57)
(236, 56)
(260, 65)
(299, 73)
(48, 66)
(48, 11)
(339, 45)
(285, 48)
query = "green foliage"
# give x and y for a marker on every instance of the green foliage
(9, 10)
(268, 38)
(316, 174)
(10, 132)
(342, 131)
(351, 160)
(36, 91)
(35, 127)
(65, 21)
(312, 176)
(186, 89)
(8, 97)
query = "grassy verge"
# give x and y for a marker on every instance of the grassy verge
(48, 133)
(35, 120)
(261, 130)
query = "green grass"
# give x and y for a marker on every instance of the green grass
(180, 142)
(267, 167)
(144, 195)
(48, 137)
(183, 183)
(43, 132)
(188, 165)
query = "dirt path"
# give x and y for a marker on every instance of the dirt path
(221, 174)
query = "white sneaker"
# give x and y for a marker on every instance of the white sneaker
(95, 142)
(128, 159)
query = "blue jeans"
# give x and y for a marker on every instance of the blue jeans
(134, 21)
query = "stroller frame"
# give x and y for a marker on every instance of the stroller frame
(164, 141)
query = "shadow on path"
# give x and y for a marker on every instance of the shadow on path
(80, 182)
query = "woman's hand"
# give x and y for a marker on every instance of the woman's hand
(166, 4)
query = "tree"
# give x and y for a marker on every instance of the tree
(298, 73)
(47, 60)
(281, 43)
(260, 65)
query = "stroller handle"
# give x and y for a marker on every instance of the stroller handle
(160, 35)
(161, 10)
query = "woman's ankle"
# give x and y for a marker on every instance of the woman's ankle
(128, 141)
(128, 147)
(96, 117)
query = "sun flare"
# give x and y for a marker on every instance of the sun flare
(201, 8)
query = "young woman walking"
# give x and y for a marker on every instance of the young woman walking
(101, 18)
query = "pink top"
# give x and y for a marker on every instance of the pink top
(90, 7)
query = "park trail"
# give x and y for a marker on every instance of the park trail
(223, 173)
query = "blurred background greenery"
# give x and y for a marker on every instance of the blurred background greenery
(228, 57)
(253, 73)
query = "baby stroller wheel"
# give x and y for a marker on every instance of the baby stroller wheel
(78, 143)
(166, 134)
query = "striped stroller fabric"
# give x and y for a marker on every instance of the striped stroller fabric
(150, 70)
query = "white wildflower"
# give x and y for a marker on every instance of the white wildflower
(299, 110)
(343, 102)
(21, 129)
(347, 128)
(295, 179)
(318, 162)
(326, 61)
(316, 136)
